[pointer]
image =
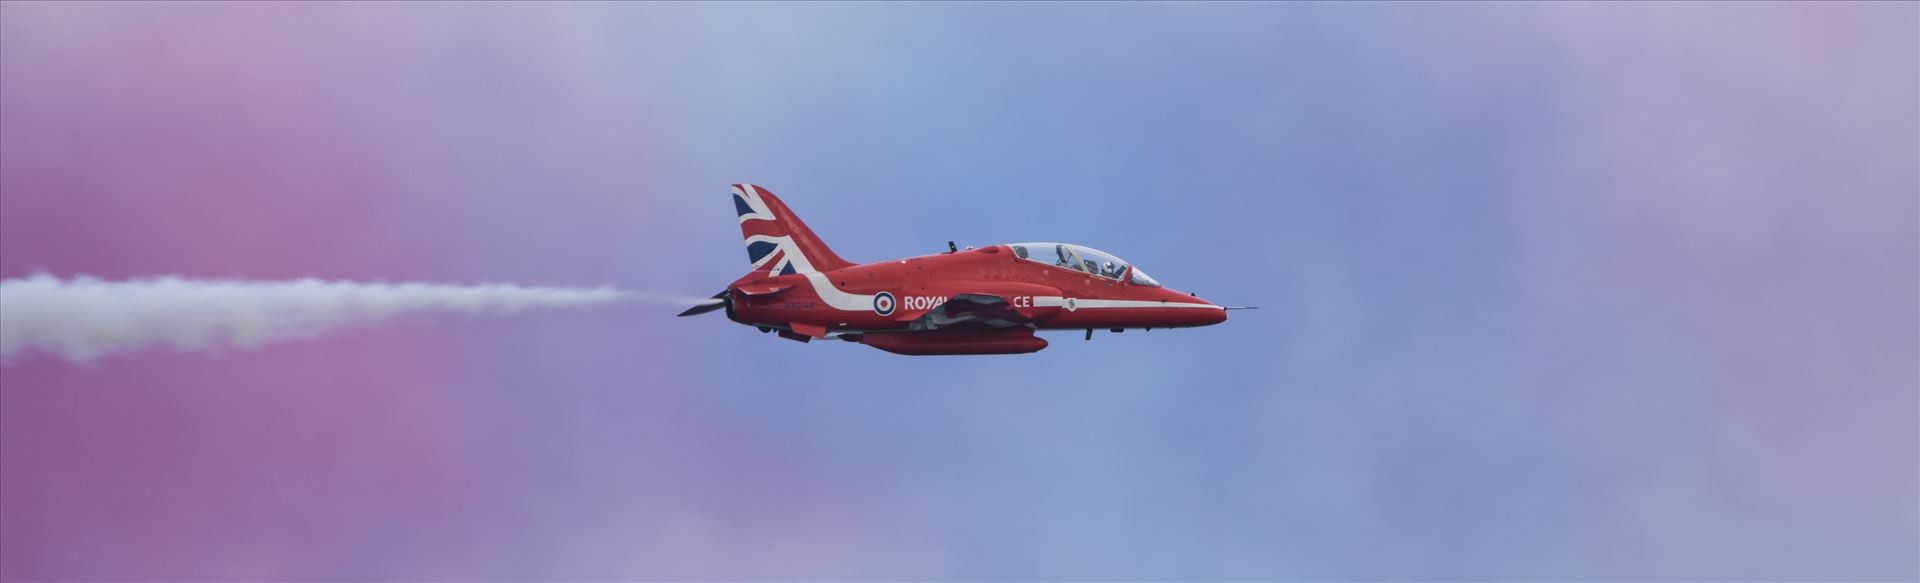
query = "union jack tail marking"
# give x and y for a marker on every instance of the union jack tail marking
(778, 242)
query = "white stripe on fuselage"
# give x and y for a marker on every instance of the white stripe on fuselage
(839, 300)
(1084, 303)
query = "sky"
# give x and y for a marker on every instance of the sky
(1568, 291)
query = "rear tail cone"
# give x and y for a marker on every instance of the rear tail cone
(716, 302)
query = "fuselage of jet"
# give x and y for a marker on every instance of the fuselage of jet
(987, 300)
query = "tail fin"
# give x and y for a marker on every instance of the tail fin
(777, 241)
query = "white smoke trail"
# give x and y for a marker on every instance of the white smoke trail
(85, 318)
(680, 300)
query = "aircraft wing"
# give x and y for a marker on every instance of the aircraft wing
(977, 311)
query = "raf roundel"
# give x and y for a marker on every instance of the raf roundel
(883, 303)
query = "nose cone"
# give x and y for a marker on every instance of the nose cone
(1211, 315)
(1200, 312)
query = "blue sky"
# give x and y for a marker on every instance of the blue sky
(1548, 291)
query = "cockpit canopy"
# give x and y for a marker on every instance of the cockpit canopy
(1082, 259)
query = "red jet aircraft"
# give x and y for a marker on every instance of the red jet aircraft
(988, 300)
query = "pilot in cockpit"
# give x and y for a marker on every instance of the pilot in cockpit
(1108, 269)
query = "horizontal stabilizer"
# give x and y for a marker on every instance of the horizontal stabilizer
(762, 289)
